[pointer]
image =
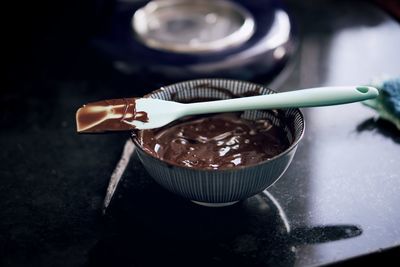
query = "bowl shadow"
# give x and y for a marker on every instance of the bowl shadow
(146, 225)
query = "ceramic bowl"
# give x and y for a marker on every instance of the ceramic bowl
(225, 186)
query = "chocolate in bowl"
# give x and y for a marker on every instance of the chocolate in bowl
(221, 184)
(219, 141)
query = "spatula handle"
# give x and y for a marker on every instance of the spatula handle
(313, 97)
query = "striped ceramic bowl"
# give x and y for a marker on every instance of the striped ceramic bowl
(227, 186)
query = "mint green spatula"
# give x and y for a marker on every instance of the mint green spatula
(148, 113)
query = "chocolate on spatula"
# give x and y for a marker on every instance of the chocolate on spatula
(108, 115)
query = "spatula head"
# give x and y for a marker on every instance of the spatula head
(106, 115)
(125, 114)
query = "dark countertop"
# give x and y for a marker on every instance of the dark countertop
(338, 200)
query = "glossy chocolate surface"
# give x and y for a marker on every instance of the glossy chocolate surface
(215, 142)
(108, 115)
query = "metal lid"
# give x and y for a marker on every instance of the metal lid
(192, 26)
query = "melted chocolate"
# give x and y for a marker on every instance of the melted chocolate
(109, 115)
(215, 142)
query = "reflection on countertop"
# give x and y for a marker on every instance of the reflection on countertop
(254, 232)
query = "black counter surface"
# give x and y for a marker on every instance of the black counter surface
(338, 200)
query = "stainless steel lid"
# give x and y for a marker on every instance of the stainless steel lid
(193, 26)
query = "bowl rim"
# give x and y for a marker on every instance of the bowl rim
(134, 136)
